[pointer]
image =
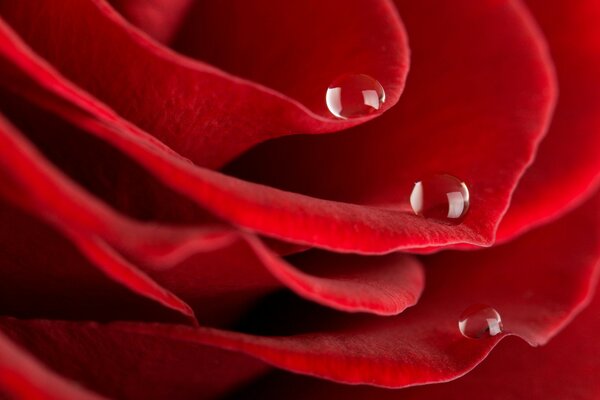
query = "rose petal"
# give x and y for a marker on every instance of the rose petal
(384, 285)
(566, 368)
(331, 225)
(477, 102)
(44, 275)
(284, 215)
(557, 267)
(27, 183)
(567, 166)
(417, 347)
(197, 109)
(160, 19)
(184, 259)
(299, 48)
(128, 365)
(23, 377)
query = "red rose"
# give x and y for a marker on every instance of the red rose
(166, 233)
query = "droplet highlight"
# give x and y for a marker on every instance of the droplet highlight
(480, 321)
(354, 95)
(444, 198)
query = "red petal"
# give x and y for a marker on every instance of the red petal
(23, 377)
(128, 365)
(161, 19)
(537, 283)
(296, 218)
(184, 259)
(44, 275)
(384, 285)
(422, 345)
(567, 166)
(477, 101)
(566, 368)
(26, 181)
(199, 110)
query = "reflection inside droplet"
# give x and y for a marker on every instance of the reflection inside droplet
(480, 321)
(354, 95)
(441, 197)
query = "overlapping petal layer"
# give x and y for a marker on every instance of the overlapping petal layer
(476, 105)
(566, 368)
(161, 19)
(159, 233)
(329, 224)
(537, 283)
(207, 263)
(567, 166)
(420, 346)
(117, 364)
(45, 275)
(204, 113)
(22, 376)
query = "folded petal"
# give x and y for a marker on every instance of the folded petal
(420, 346)
(567, 167)
(384, 285)
(160, 19)
(24, 377)
(126, 365)
(215, 268)
(537, 284)
(223, 283)
(26, 180)
(44, 274)
(275, 213)
(204, 113)
(476, 105)
(565, 368)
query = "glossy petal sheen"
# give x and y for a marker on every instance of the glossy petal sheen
(307, 220)
(420, 346)
(566, 368)
(567, 165)
(204, 113)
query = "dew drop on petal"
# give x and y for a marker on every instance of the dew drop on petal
(480, 321)
(444, 198)
(354, 95)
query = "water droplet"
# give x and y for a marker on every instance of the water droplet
(354, 95)
(480, 321)
(441, 197)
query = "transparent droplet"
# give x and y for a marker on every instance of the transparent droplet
(480, 321)
(444, 198)
(354, 95)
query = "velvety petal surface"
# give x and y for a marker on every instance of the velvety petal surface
(160, 19)
(423, 345)
(477, 102)
(119, 364)
(205, 113)
(214, 266)
(23, 377)
(45, 275)
(567, 165)
(28, 181)
(285, 215)
(565, 368)
(537, 284)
